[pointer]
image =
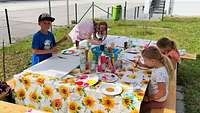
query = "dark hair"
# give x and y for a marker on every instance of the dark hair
(105, 24)
(154, 53)
(97, 27)
(166, 44)
(45, 16)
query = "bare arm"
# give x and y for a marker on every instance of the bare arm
(37, 51)
(92, 41)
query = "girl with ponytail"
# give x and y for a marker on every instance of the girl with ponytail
(162, 71)
(168, 48)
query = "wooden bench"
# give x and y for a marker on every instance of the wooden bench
(171, 101)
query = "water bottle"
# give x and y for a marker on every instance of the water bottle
(82, 61)
(91, 61)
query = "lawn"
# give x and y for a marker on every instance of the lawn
(184, 31)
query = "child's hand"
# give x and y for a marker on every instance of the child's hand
(54, 50)
(139, 63)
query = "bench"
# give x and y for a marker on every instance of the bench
(171, 101)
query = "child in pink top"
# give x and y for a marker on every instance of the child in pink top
(85, 29)
(82, 30)
(168, 48)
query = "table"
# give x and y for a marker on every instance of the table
(45, 87)
(57, 65)
(189, 56)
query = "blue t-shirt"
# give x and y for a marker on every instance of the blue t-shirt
(42, 42)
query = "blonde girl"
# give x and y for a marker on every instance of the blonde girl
(162, 71)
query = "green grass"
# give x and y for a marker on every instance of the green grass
(184, 31)
(18, 55)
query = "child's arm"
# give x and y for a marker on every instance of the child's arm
(38, 51)
(54, 50)
(92, 41)
(161, 92)
(140, 63)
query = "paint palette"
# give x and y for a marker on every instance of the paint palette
(71, 52)
(86, 80)
(109, 77)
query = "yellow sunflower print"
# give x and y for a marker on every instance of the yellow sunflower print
(46, 108)
(36, 75)
(34, 97)
(26, 81)
(139, 94)
(89, 102)
(73, 107)
(40, 80)
(98, 111)
(47, 91)
(126, 101)
(27, 74)
(79, 90)
(20, 94)
(64, 91)
(108, 102)
(134, 111)
(56, 103)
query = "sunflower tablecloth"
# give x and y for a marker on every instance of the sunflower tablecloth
(48, 93)
(63, 96)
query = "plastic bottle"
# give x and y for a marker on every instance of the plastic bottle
(82, 61)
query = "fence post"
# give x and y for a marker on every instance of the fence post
(108, 13)
(163, 11)
(135, 9)
(8, 26)
(76, 13)
(50, 11)
(125, 10)
(67, 12)
(4, 67)
(92, 10)
(138, 11)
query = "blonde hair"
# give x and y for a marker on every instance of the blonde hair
(154, 53)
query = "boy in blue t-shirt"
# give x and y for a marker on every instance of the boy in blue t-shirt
(43, 42)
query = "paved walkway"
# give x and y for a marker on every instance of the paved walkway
(179, 100)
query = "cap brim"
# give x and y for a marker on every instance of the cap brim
(48, 18)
